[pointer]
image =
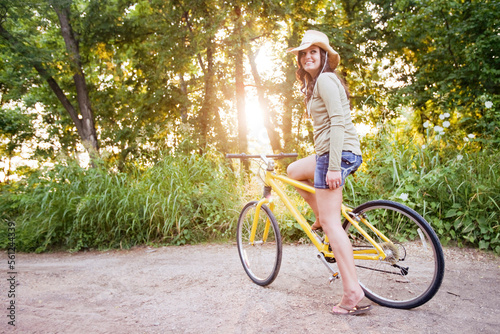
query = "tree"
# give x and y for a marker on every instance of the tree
(239, 79)
(137, 78)
(268, 115)
(455, 62)
(82, 116)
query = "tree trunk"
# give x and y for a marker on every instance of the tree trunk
(89, 135)
(240, 84)
(208, 120)
(269, 116)
(289, 102)
(85, 129)
(288, 105)
(184, 109)
(204, 120)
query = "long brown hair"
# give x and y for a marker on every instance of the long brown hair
(309, 82)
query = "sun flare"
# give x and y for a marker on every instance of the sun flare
(258, 140)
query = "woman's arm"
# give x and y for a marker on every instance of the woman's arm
(329, 91)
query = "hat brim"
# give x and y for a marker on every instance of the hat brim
(333, 56)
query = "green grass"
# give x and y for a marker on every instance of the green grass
(180, 200)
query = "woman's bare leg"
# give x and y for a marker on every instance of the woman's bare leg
(303, 170)
(329, 207)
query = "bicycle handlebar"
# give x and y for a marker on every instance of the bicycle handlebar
(272, 156)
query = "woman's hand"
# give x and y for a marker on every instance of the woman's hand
(333, 179)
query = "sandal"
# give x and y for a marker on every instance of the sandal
(356, 310)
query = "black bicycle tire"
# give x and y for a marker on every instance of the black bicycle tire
(279, 246)
(436, 247)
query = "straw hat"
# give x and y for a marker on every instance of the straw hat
(313, 37)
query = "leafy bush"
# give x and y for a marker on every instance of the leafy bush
(457, 191)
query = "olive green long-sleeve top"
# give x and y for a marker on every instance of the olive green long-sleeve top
(334, 131)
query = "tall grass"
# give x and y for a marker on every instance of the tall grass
(177, 201)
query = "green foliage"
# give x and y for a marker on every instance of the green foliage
(15, 129)
(289, 227)
(179, 200)
(150, 66)
(452, 47)
(457, 192)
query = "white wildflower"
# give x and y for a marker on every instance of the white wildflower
(488, 104)
(423, 147)
(471, 135)
(426, 124)
(446, 114)
(441, 116)
(466, 139)
(446, 124)
(438, 129)
(403, 196)
(459, 157)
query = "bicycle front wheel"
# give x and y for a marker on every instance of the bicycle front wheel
(260, 254)
(413, 269)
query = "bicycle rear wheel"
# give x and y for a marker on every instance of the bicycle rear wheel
(413, 270)
(261, 258)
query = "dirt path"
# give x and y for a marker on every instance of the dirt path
(203, 289)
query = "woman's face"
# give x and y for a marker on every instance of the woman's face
(310, 60)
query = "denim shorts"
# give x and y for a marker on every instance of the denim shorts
(349, 164)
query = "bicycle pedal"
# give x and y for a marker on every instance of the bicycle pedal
(334, 277)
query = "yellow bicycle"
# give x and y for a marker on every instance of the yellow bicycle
(399, 258)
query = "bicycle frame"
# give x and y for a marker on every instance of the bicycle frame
(402, 274)
(365, 254)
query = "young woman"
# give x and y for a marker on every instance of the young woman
(337, 155)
